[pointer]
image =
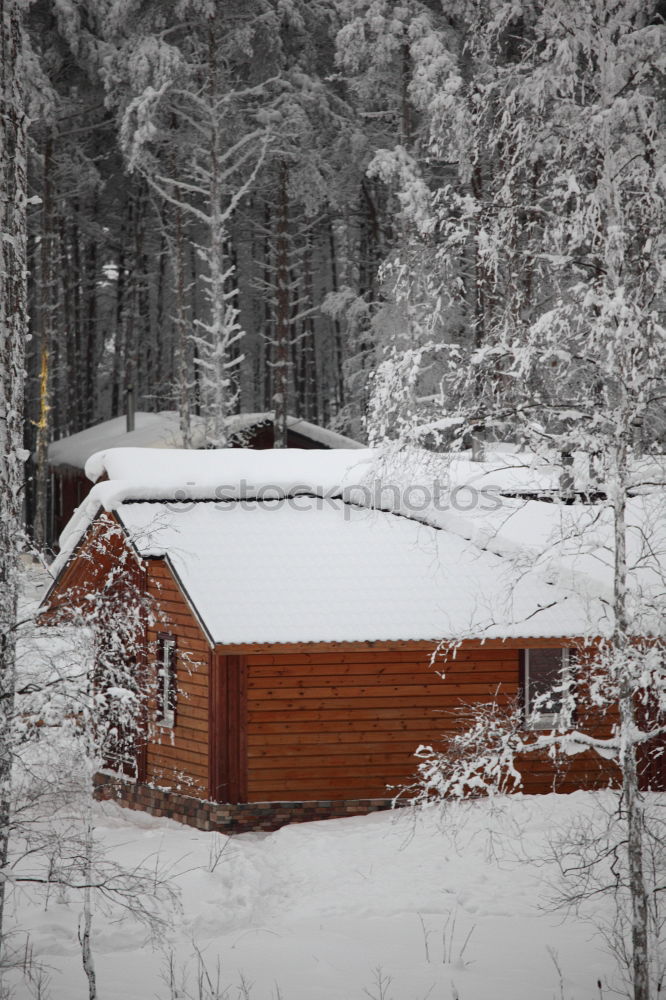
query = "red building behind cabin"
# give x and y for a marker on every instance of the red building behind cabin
(67, 457)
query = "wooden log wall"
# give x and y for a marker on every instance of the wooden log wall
(346, 723)
(178, 756)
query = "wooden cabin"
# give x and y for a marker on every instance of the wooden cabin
(296, 637)
(67, 457)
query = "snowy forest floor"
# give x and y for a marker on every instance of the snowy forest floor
(447, 904)
(444, 905)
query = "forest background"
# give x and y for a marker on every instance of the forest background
(202, 225)
(249, 205)
(423, 221)
(359, 212)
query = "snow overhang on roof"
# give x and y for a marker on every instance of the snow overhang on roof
(214, 473)
(567, 548)
(134, 474)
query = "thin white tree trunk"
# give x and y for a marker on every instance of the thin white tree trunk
(631, 797)
(219, 408)
(614, 260)
(86, 929)
(13, 325)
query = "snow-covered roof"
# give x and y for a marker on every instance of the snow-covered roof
(571, 545)
(244, 422)
(399, 546)
(151, 430)
(206, 474)
(270, 547)
(212, 474)
(162, 430)
(314, 570)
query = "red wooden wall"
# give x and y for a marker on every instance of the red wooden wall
(178, 756)
(330, 722)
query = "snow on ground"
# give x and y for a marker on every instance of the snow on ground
(450, 906)
(446, 905)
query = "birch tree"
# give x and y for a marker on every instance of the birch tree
(83, 684)
(13, 328)
(572, 242)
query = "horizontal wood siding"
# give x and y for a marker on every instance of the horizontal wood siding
(345, 723)
(178, 756)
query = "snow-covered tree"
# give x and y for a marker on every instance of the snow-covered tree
(570, 357)
(189, 125)
(13, 331)
(80, 698)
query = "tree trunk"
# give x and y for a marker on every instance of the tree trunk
(91, 328)
(631, 797)
(338, 375)
(268, 338)
(118, 340)
(194, 309)
(309, 343)
(85, 931)
(219, 353)
(76, 387)
(281, 362)
(164, 352)
(46, 311)
(182, 339)
(218, 398)
(232, 297)
(13, 327)
(65, 411)
(128, 369)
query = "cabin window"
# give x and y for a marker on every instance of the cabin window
(166, 680)
(546, 674)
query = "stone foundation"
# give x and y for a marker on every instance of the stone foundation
(224, 817)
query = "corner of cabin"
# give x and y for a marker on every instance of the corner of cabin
(101, 547)
(177, 756)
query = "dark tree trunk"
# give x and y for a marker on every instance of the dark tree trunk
(90, 377)
(338, 350)
(282, 313)
(118, 340)
(76, 393)
(46, 319)
(268, 337)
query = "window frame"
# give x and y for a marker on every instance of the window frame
(538, 720)
(166, 688)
